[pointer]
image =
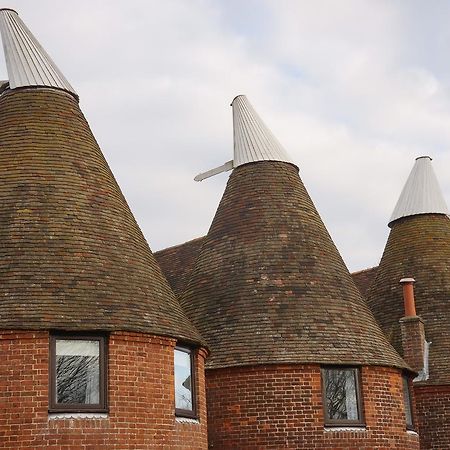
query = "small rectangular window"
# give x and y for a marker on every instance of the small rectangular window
(77, 373)
(342, 396)
(184, 382)
(407, 402)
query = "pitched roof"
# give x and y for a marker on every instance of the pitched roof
(421, 193)
(178, 261)
(269, 286)
(28, 64)
(364, 279)
(72, 255)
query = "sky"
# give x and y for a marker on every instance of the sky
(353, 89)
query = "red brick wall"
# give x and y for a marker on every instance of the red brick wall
(141, 396)
(280, 406)
(433, 416)
(413, 341)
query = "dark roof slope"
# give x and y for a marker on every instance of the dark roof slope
(178, 261)
(269, 286)
(363, 279)
(71, 254)
(419, 247)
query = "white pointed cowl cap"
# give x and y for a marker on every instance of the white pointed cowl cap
(253, 141)
(28, 64)
(421, 194)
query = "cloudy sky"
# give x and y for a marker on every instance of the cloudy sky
(353, 89)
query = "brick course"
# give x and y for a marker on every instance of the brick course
(413, 341)
(280, 407)
(141, 398)
(433, 416)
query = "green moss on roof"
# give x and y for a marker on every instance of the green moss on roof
(269, 285)
(72, 255)
(419, 247)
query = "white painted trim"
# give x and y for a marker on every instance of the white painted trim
(186, 420)
(65, 416)
(338, 429)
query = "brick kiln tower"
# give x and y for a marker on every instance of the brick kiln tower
(419, 246)
(90, 331)
(297, 359)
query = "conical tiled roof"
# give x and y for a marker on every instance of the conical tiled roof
(269, 286)
(71, 256)
(421, 194)
(418, 246)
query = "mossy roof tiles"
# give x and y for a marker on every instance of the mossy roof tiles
(419, 247)
(178, 261)
(269, 286)
(364, 279)
(72, 255)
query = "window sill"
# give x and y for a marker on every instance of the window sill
(412, 432)
(186, 420)
(345, 428)
(69, 415)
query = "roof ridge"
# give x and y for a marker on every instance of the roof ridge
(180, 245)
(363, 270)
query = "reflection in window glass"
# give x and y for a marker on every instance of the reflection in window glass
(183, 380)
(407, 401)
(77, 371)
(341, 394)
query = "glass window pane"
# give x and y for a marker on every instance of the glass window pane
(341, 394)
(407, 401)
(183, 380)
(77, 371)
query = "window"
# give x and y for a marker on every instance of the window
(341, 396)
(77, 373)
(184, 383)
(407, 402)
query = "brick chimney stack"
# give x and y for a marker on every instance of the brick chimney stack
(412, 328)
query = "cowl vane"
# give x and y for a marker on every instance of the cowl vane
(421, 194)
(253, 141)
(28, 64)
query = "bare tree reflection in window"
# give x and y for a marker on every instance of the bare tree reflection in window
(341, 397)
(77, 372)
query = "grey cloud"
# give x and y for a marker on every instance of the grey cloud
(349, 89)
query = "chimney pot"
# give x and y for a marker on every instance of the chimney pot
(408, 296)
